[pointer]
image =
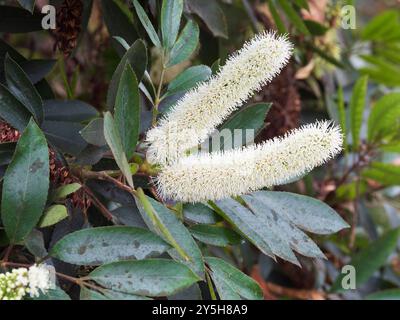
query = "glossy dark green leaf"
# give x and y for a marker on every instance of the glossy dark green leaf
(23, 89)
(231, 283)
(93, 133)
(144, 19)
(185, 45)
(127, 110)
(65, 136)
(34, 242)
(200, 213)
(128, 216)
(37, 69)
(164, 222)
(6, 152)
(171, 12)
(215, 235)
(119, 20)
(101, 245)
(26, 184)
(137, 57)
(251, 118)
(18, 20)
(151, 277)
(189, 79)
(13, 111)
(212, 15)
(113, 139)
(370, 259)
(68, 110)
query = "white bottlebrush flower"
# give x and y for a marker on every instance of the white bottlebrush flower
(220, 175)
(13, 285)
(202, 109)
(40, 280)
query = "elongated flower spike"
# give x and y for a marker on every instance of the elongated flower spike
(202, 109)
(220, 175)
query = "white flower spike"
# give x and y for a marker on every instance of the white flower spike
(220, 175)
(202, 109)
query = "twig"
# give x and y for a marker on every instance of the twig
(106, 213)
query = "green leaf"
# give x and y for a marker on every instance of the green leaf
(93, 133)
(12, 111)
(27, 4)
(382, 26)
(251, 117)
(53, 215)
(212, 15)
(68, 111)
(114, 142)
(6, 152)
(152, 277)
(370, 259)
(384, 117)
(215, 235)
(36, 70)
(53, 294)
(384, 173)
(105, 294)
(293, 17)
(127, 110)
(18, 20)
(171, 12)
(164, 222)
(64, 135)
(137, 57)
(101, 245)
(26, 184)
(315, 28)
(144, 19)
(22, 88)
(185, 45)
(231, 283)
(381, 70)
(357, 106)
(189, 79)
(275, 15)
(119, 20)
(200, 213)
(34, 242)
(342, 116)
(388, 294)
(271, 221)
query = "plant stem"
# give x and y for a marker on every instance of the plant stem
(157, 100)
